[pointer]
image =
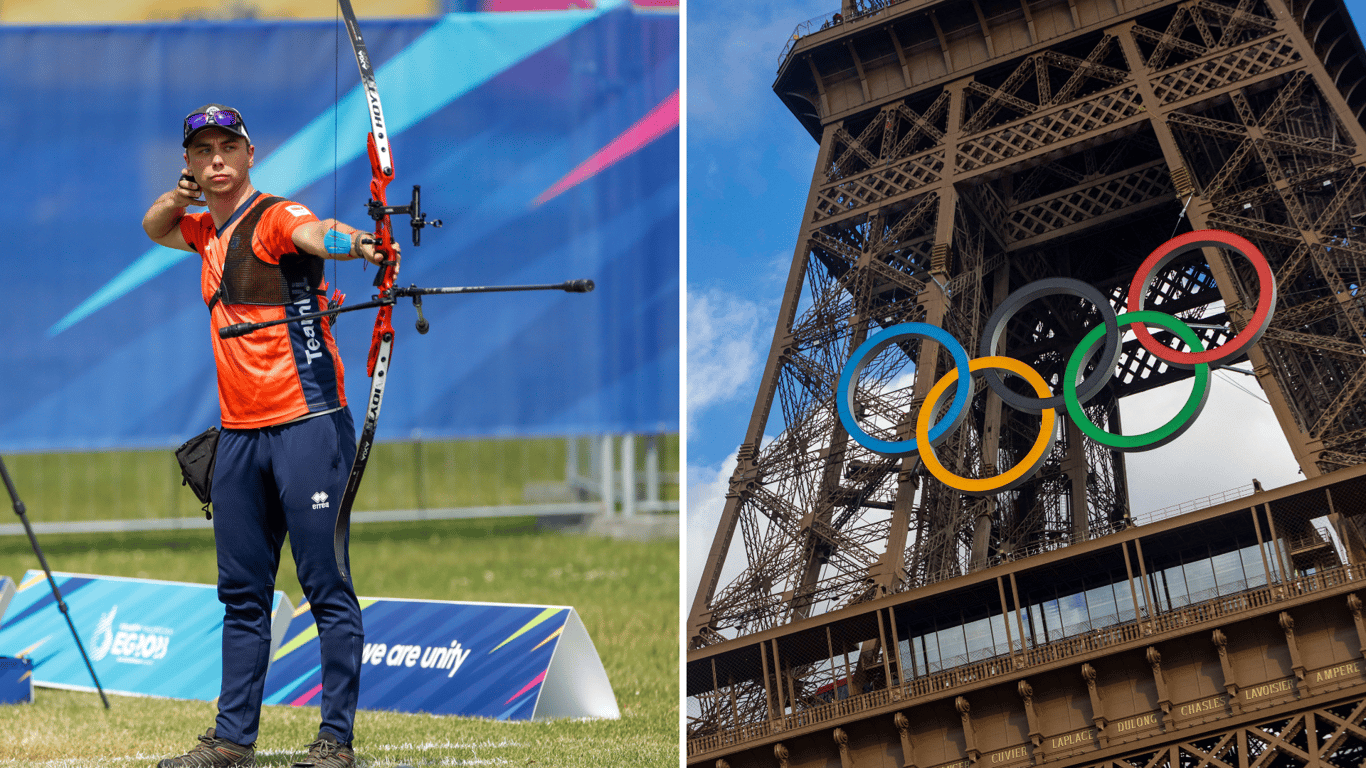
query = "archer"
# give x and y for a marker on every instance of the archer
(288, 440)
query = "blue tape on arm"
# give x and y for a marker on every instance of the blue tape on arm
(337, 243)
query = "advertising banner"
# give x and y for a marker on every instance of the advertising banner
(548, 143)
(494, 660)
(144, 637)
(6, 594)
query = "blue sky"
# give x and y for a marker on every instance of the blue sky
(749, 165)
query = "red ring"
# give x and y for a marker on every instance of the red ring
(1165, 253)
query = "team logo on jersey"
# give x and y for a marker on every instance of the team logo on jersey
(320, 500)
(297, 210)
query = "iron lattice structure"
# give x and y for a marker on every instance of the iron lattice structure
(1327, 736)
(968, 147)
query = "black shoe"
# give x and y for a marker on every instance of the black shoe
(213, 752)
(327, 752)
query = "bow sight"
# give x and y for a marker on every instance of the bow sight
(413, 210)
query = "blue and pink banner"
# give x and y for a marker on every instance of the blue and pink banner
(144, 637)
(494, 660)
(161, 638)
(548, 142)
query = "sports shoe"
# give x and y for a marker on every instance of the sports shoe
(327, 752)
(213, 752)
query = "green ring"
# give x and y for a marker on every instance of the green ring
(1163, 434)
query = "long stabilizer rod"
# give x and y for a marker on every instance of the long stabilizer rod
(20, 510)
(568, 286)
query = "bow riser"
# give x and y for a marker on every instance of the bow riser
(380, 176)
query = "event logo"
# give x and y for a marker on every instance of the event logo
(103, 639)
(1077, 389)
(132, 644)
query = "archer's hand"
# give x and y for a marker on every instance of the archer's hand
(187, 191)
(363, 246)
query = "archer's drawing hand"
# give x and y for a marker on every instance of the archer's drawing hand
(187, 191)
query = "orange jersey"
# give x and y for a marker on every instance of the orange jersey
(275, 374)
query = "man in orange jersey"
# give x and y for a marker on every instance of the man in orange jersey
(288, 439)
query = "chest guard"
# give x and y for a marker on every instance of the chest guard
(249, 280)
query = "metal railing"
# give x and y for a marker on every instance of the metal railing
(1317, 536)
(865, 8)
(1204, 502)
(1175, 619)
(612, 473)
(765, 602)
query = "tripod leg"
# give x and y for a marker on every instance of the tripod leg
(56, 593)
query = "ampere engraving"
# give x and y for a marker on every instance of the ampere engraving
(1332, 673)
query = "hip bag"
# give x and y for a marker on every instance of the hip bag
(197, 457)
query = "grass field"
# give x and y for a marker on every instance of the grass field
(626, 593)
(429, 474)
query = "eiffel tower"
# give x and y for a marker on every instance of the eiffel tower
(969, 148)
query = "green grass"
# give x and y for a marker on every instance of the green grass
(626, 593)
(124, 485)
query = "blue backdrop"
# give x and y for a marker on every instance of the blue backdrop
(107, 338)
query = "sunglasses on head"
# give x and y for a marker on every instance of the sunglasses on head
(219, 117)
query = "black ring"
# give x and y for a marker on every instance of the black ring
(996, 325)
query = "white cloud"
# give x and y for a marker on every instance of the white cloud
(775, 272)
(706, 496)
(723, 348)
(707, 486)
(1235, 439)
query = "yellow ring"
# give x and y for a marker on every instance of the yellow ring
(1037, 453)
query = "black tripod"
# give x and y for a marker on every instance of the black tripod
(57, 593)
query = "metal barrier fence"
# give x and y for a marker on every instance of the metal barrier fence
(624, 475)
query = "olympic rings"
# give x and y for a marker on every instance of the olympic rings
(996, 326)
(1025, 468)
(1182, 244)
(1163, 434)
(1075, 390)
(844, 396)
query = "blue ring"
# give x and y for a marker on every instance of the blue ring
(844, 396)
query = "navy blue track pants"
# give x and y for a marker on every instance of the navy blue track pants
(267, 482)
